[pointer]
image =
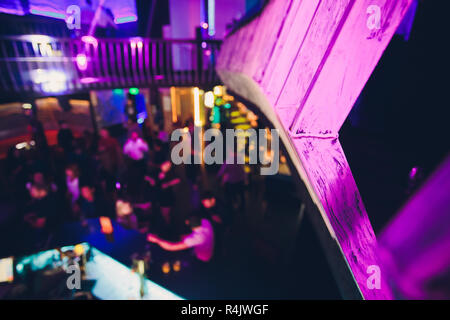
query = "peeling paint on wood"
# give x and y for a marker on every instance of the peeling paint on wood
(331, 177)
(304, 63)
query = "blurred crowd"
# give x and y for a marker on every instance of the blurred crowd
(134, 182)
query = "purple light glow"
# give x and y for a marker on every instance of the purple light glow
(139, 44)
(82, 61)
(413, 173)
(90, 40)
(89, 80)
(416, 243)
(407, 23)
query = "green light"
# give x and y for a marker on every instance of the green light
(118, 91)
(216, 115)
(134, 91)
(227, 106)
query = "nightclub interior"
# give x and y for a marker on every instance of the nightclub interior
(224, 149)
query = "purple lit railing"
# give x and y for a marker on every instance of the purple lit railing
(41, 65)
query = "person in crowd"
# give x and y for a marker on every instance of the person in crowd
(125, 215)
(166, 180)
(232, 178)
(132, 126)
(210, 208)
(147, 132)
(91, 204)
(110, 158)
(160, 152)
(192, 170)
(72, 183)
(90, 141)
(195, 198)
(86, 162)
(65, 137)
(201, 239)
(130, 109)
(39, 178)
(214, 212)
(37, 132)
(40, 215)
(17, 172)
(142, 202)
(59, 162)
(163, 136)
(14, 162)
(135, 149)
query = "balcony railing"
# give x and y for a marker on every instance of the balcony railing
(40, 65)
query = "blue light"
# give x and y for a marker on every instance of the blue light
(211, 17)
(48, 14)
(125, 19)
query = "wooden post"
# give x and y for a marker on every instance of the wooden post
(304, 63)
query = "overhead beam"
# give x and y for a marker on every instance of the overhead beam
(304, 63)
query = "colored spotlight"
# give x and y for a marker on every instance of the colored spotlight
(82, 61)
(134, 91)
(209, 99)
(197, 120)
(90, 40)
(126, 19)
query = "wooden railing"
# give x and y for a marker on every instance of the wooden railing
(40, 65)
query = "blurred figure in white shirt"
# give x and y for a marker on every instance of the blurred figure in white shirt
(136, 150)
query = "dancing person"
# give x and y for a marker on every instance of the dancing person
(201, 239)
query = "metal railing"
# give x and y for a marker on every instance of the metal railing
(41, 66)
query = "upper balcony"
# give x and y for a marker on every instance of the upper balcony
(40, 65)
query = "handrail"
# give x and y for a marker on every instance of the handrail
(174, 40)
(41, 65)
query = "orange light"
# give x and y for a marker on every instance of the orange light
(197, 120)
(173, 104)
(166, 268)
(106, 225)
(79, 249)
